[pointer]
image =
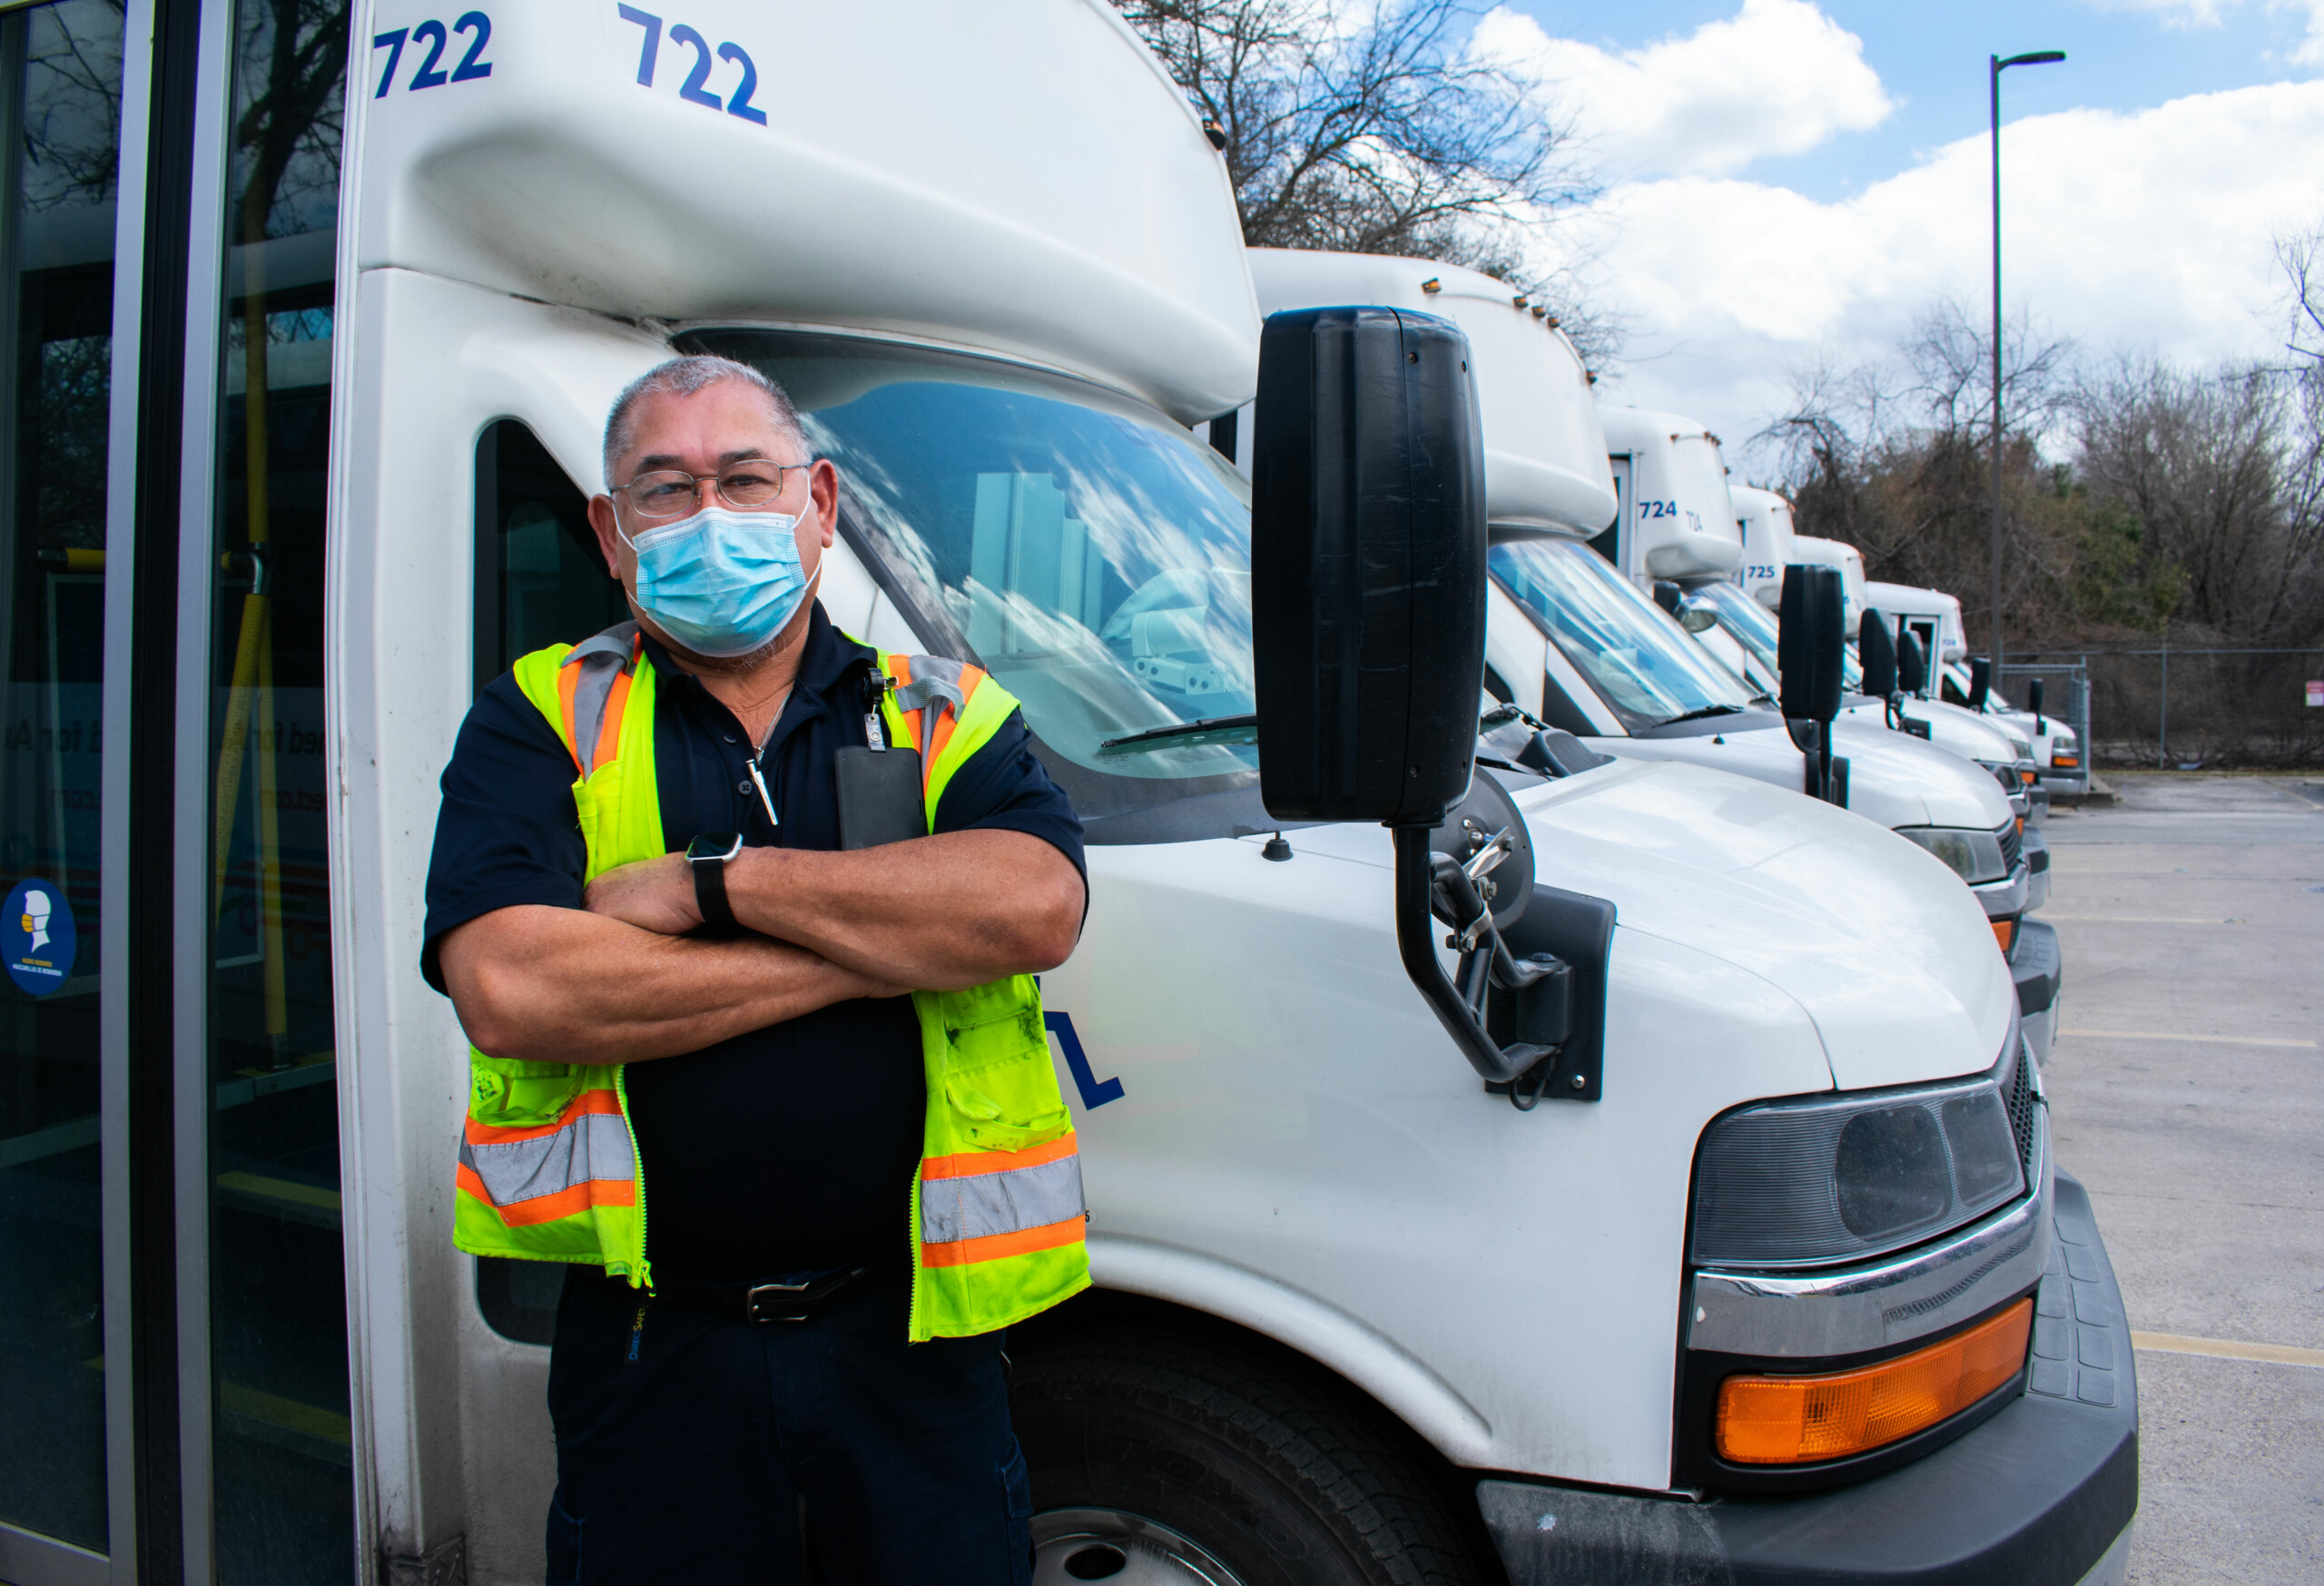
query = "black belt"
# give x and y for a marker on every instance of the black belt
(759, 1303)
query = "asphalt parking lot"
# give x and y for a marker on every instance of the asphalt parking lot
(2187, 1091)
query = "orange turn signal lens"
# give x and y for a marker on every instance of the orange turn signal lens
(2004, 932)
(1798, 1420)
(2066, 762)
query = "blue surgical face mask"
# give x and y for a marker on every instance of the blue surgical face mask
(721, 583)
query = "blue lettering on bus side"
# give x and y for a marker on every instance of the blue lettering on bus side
(1095, 1092)
(472, 66)
(696, 90)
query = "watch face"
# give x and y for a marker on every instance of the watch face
(718, 845)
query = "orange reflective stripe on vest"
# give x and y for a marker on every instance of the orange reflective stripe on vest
(551, 1171)
(592, 689)
(929, 727)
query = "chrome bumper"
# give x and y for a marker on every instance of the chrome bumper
(2002, 899)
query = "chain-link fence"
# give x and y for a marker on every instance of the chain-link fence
(2065, 696)
(2211, 707)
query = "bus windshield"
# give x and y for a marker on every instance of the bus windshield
(1752, 623)
(1091, 556)
(1643, 664)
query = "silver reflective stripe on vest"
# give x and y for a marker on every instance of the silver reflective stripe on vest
(603, 658)
(999, 1203)
(594, 1145)
(933, 678)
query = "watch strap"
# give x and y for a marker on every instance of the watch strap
(709, 867)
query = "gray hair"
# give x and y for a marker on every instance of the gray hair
(683, 377)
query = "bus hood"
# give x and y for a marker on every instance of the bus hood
(1879, 943)
(1952, 728)
(1894, 778)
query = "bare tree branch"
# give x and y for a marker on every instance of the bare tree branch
(1374, 131)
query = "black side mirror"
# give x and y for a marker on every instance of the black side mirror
(1877, 651)
(2034, 693)
(1981, 681)
(1811, 641)
(1667, 596)
(1367, 566)
(1912, 670)
(1368, 618)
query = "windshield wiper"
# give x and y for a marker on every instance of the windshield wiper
(1698, 714)
(1179, 730)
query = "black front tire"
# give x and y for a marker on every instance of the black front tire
(1267, 1464)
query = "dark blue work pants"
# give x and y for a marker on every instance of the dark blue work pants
(684, 1442)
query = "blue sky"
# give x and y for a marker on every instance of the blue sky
(1790, 184)
(1931, 56)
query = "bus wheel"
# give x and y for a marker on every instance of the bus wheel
(1201, 1460)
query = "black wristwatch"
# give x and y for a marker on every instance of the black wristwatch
(708, 855)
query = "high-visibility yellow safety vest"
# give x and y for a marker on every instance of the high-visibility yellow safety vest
(548, 1166)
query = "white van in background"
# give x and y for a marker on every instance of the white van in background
(1767, 532)
(1573, 643)
(1934, 618)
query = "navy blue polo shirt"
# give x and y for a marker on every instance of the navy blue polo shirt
(791, 1148)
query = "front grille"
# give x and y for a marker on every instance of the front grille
(2022, 1103)
(2012, 843)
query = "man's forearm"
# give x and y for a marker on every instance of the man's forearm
(954, 909)
(563, 985)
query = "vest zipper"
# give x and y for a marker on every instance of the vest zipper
(645, 1273)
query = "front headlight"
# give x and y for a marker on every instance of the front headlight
(1846, 1177)
(1976, 856)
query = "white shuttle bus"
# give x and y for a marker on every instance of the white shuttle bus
(1766, 520)
(1934, 618)
(313, 340)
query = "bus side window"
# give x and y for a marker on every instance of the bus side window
(539, 577)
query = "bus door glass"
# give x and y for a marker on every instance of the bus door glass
(281, 1479)
(60, 86)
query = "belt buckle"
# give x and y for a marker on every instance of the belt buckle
(774, 1292)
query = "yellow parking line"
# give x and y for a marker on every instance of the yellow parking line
(2207, 1040)
(2227, 1349)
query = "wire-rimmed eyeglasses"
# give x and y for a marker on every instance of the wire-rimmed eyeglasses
(669, 493)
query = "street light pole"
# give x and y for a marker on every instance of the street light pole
(1998, 64)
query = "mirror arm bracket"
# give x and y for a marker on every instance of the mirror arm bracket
(1421, 876)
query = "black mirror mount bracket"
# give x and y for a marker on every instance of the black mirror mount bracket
(1433, 887)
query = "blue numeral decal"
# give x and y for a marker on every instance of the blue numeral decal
(646, 56)
(695, 89)
(1094, 1092)
(692, 88)
(393, 44)
(740, 104)
(470, 68)
(427, 77)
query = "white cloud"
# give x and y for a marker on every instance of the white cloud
(2193, 14)
(1778, 77)
(2147, 230)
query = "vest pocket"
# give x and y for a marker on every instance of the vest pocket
(511, 1093)
(998, 1081)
